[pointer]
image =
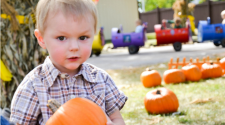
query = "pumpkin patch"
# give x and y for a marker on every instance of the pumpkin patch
(150, 78)
(78, 111)
(160, 101)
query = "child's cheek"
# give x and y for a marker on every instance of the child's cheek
(87, 50)
(58, 54)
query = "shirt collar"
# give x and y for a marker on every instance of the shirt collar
(49, 70)
(88, 71)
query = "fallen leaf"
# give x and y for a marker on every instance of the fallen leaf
(196, 101)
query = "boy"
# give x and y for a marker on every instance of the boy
(223, 16)
(66, 29)
(139, 27)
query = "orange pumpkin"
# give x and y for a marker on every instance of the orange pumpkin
(222, 63)
(173, 76)
(161, 101)
(192, 72)
(150, 78)
(78, 111)
(211, 70)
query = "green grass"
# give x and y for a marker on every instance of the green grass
(151, 35)
(134, 113)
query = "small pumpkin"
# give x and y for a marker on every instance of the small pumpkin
(160, 101)
(211, 70)
(222, 63)
(78, 111)
(192, 72)
(173, 76)
(150, 78)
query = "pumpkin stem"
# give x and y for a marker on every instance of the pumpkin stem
(158, 92)
(53, 105)
(148, 69)
(211, 62)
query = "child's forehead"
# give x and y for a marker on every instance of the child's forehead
(61, 21)
(65, 15)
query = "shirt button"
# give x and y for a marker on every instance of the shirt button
(72, 96)
(63, 76)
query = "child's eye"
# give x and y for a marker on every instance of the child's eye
(61, 38)
(83, 37)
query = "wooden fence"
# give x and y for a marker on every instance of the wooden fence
(201, 12)
(197, 62)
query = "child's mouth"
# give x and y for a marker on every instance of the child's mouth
(73, 58)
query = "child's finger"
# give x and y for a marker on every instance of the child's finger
(109, 123)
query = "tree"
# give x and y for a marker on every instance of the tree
(153, 4)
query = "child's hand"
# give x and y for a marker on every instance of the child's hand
(109, 122)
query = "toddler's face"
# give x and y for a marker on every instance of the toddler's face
(68, 41)
(223, 16)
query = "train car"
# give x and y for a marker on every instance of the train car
(98, 43)
(211, 32)
(131, 40)
(172, 36)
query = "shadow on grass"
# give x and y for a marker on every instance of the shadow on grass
(196, 82)
(179, 113)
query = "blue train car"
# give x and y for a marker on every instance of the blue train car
(212, 32)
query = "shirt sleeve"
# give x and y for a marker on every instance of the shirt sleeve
(115, 99)
(25, 106)
(170, 21)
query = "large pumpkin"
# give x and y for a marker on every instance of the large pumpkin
(78, 111)
(150, 78)
(192, 72)
(160, 101)
(173, 76)
(211, 70)
(222, 63)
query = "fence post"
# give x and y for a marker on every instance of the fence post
(158, 15)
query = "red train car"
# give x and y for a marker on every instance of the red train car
(174, 36)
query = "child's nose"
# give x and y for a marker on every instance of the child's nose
(74, 45)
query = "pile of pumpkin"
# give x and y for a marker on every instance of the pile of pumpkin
(163, 97)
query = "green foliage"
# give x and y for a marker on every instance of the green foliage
(202, 1)
(153, 4)
(20, 51)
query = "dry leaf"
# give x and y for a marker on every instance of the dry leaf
(196, 101)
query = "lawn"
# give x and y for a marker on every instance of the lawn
(134, 113)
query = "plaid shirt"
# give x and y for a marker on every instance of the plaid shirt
(45, 82)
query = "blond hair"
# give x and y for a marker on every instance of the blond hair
(177, 20)
(78, 8)
(139, 21)
(223, 13)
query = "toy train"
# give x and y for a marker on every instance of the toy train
(131, 40)
(175, 36)
(212, 32)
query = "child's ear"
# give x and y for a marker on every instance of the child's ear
(41, 42)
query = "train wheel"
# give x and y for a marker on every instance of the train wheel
(216, 44)
(177, 46)
(133, 49)
(98, 53)
(223, 43)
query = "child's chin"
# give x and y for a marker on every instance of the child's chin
(72, 67)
